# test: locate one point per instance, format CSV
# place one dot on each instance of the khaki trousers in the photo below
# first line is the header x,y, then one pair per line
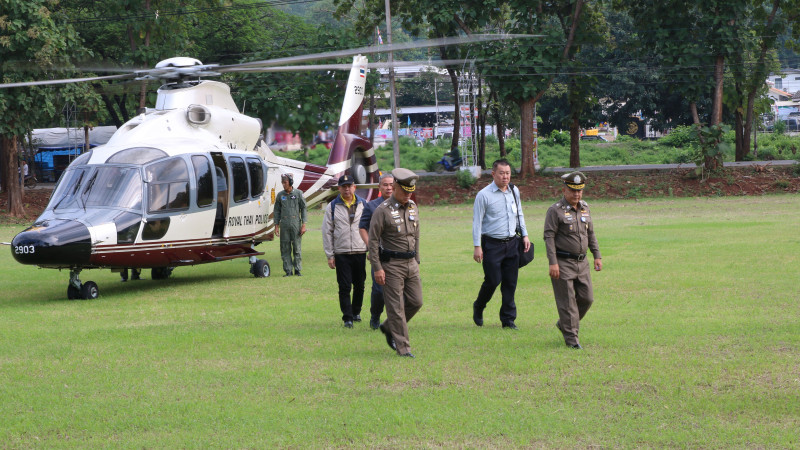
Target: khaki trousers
x,y
574,296
402,294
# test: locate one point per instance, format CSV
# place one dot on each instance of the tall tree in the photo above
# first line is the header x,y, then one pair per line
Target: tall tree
x,y
523,71
137,33
35,44
693,41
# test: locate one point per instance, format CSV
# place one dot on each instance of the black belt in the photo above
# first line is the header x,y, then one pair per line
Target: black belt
x,y
578,256
399,255
487,237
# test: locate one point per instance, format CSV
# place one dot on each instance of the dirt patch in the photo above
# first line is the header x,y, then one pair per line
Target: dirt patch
x,y
34,201
633,184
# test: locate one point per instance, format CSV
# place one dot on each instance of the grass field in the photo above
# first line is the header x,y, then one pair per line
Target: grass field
x,y
693,341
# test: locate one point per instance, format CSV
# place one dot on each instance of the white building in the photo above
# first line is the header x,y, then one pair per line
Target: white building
x,y
787,80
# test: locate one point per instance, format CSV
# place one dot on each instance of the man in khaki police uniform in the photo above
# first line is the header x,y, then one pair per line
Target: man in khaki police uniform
x,y
568,232
394,254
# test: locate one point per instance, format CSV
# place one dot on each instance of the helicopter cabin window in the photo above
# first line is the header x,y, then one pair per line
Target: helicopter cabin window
x,y
256,176
205,182
137,155
239,179
116,187
168,185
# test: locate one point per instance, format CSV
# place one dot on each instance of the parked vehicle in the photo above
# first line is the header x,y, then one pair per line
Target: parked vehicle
x,y
31,181
595,137
448,163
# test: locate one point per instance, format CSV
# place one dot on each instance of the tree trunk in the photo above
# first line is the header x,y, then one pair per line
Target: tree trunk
x,y
10,159
526,133
738,129
501,132
574,142
719,72
748,125
111,111
695,115
456,112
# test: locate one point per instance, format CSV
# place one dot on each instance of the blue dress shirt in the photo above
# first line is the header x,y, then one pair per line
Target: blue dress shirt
x,y
495,214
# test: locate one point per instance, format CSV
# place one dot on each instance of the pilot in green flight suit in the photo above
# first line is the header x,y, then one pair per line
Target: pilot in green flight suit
x,y
290,224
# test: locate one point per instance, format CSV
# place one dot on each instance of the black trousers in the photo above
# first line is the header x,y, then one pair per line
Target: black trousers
x,y
500,265
376,298
351,272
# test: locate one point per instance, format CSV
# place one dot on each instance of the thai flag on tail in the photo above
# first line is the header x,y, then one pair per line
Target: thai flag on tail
x,y
361,72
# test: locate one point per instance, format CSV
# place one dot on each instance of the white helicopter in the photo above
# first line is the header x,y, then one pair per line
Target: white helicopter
x,y
186,183
190,181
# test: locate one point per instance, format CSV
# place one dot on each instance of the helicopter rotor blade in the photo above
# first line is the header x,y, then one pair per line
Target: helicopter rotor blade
x,y
375,65
271,65
64,81
370,50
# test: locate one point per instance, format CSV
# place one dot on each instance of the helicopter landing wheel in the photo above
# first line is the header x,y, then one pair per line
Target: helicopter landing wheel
x,y
73,292
260,269
89,290
160,273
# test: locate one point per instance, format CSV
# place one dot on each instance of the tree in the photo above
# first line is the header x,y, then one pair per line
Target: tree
x,y
138,34
693,41
34,43
523,71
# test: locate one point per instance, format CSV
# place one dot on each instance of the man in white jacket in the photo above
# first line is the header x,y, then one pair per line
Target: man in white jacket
x,y
346,251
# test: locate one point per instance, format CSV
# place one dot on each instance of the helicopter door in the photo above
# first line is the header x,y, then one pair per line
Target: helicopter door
x,y
242,210
220,175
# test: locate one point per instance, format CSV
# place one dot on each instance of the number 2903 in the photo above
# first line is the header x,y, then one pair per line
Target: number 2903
x,y
24,249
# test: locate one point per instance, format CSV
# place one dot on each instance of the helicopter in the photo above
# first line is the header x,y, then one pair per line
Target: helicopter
x,y
188,182
191,181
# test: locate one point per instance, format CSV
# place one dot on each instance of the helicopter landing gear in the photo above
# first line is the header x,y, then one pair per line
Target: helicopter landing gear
x,y
78,290
160,273
259,268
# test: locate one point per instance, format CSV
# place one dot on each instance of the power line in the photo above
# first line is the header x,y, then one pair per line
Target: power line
x,y
155,14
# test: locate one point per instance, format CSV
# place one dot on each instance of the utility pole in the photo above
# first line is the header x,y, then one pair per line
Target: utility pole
x,y
395,128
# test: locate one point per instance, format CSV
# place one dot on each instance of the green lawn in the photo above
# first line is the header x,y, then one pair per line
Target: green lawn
x,y
693,341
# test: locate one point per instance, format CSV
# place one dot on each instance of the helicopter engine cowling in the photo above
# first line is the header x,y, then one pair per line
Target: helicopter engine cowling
x,y
53,243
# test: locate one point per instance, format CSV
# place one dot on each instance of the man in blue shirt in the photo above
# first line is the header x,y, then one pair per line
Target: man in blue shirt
x,y
495,218
386,186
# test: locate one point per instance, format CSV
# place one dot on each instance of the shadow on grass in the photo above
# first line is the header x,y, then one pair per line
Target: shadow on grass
x,y
117,289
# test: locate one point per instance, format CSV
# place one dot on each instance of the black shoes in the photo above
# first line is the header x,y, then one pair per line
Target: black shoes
x,y
374,322
575,346
348,324
388,335
288,274
407,355
297,272
510,325
477,315
357,318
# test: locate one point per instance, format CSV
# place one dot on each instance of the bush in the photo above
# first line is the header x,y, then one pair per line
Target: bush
x,y
680,137
780,127
464,179
624,138
559,137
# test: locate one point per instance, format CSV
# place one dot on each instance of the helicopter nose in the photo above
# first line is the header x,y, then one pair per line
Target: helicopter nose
x,y
53,243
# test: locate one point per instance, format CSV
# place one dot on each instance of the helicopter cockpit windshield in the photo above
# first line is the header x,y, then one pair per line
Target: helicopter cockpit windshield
x,y
102,186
